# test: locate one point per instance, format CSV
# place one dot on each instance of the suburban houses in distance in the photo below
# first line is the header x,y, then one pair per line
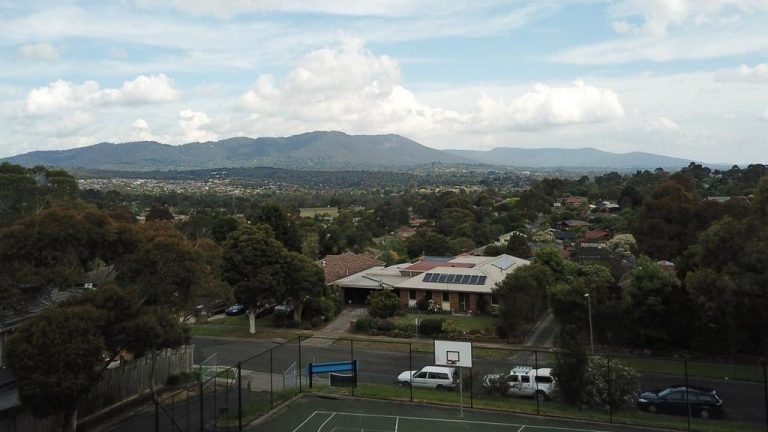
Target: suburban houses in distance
x,y
461,284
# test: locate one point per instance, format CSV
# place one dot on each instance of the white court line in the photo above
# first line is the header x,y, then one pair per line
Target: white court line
x,y
397,422
326,421
463,421
302,423
521,428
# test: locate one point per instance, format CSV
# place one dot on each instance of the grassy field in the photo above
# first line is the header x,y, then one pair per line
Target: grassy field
x,y
237,326
463,322
696,369
311,212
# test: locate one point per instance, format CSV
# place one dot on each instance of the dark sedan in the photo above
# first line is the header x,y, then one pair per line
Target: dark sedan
x,y
237,309
703,402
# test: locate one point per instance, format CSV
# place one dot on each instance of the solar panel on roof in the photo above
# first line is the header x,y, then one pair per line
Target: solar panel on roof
x,y
465,279
473,280
427,277
503,262
442,278
481,281
449,279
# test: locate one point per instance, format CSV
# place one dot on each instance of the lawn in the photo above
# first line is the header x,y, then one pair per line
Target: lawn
x,y
237,326
311,212
463,322
696,369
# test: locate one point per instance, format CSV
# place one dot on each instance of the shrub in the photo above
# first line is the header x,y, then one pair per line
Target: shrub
x,y
382,304
448,328
430,326
363,325
383,325
624,386
422,304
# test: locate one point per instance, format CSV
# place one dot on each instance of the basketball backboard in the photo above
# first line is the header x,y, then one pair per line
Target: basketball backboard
x,y
452,353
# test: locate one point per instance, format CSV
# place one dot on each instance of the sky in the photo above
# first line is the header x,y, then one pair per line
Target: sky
x,y
686,78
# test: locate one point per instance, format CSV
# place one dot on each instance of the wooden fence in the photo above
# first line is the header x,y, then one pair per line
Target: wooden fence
x,y
128,380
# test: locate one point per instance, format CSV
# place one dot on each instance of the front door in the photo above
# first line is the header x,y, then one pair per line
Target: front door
x,y
463,302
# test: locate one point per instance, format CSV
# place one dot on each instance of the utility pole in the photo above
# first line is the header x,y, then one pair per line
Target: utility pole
x,y
591,335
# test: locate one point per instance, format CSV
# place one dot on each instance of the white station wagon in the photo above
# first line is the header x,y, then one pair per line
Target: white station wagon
x,y
435,377
523,381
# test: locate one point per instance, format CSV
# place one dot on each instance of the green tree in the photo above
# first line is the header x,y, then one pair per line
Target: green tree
x,y
658,313
304,280
382,304
159,213
517,246
57,357
522,297
571,364
254,264
283,227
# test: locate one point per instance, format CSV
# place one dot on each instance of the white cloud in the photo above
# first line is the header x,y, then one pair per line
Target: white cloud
x,y
60,95
744,73
663,124
40,51
687,47
69,123
658,16
349,88
545,106
196,126
764,115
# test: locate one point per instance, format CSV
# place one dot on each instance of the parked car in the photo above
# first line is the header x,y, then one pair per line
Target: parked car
x,y
435,377
265,309
285,309
236,309
704,402
522,381
209,308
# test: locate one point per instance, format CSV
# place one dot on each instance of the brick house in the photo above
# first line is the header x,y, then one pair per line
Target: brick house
x,y
458,284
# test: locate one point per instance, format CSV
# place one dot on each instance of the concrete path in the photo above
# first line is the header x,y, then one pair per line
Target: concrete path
x,y
339,327
543,334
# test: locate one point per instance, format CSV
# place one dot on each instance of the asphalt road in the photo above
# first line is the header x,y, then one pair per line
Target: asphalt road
x,y
744,401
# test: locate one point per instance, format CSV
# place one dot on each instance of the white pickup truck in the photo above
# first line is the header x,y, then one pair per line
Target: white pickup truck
x,y
522,381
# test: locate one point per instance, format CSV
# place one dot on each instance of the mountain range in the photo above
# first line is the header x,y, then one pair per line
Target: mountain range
x,y
327,151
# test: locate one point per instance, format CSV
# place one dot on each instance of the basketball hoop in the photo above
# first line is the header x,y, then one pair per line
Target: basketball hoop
x,y
452,357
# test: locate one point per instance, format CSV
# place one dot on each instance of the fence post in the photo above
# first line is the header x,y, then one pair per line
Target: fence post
x,y
471,389
201,400
610,392
535,378
300,368
239,396
687,402
765,389
271,384
352,359
410,368
157,414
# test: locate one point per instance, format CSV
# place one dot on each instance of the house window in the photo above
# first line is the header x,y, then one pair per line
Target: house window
x,y
494,299
446,296
428,295
412,294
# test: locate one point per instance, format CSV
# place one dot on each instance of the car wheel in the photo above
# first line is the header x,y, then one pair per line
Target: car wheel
x,y
704,414
405,383
442,387
652,409
540,396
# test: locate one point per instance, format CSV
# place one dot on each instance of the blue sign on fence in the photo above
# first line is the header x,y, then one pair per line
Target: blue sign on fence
x,y
315,368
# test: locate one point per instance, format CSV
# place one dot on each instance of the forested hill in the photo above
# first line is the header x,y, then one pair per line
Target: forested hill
x,y
331,151
582,158
309,151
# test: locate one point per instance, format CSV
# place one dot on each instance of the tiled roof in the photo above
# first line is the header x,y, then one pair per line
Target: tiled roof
x,y
340,266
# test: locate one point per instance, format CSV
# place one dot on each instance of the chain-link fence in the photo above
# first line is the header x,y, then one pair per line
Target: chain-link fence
x,y
672,393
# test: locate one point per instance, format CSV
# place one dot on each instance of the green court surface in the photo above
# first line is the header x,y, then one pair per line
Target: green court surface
x,y
315,414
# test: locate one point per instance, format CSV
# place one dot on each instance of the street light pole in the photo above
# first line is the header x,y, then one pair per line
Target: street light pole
x,y
591,337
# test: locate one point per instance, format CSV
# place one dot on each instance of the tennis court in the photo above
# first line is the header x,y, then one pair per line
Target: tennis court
x,y
315,414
